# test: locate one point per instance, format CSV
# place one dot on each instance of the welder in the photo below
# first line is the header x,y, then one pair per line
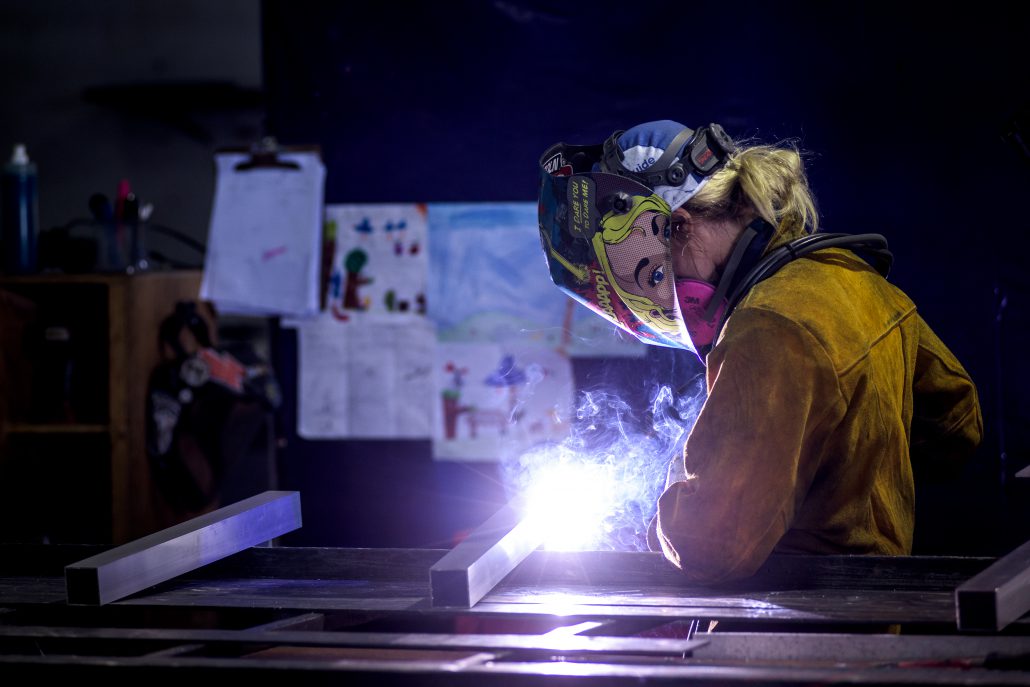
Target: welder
x,y
824,383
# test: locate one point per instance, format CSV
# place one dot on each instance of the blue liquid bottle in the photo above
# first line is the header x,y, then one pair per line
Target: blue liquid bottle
x,y
19,214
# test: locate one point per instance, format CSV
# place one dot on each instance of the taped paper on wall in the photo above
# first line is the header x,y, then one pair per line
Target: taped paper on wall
x,y
264,242
379,262
367,377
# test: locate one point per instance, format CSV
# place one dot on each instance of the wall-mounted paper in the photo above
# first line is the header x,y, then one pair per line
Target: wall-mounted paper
x,y
368,377
380,261
489,282
498,400
264,241
504,379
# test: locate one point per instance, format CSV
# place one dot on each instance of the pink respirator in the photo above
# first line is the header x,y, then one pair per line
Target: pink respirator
x,y
694,298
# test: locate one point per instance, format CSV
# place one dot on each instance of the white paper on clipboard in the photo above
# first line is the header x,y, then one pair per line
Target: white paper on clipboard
x,y
265,237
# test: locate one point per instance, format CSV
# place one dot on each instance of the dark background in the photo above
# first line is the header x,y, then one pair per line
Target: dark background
x,y
909,117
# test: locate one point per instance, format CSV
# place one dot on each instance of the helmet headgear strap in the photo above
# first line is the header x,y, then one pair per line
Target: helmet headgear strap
x,y
710,150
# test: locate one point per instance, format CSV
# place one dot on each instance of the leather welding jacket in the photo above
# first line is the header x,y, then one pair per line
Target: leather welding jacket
x,y
823,382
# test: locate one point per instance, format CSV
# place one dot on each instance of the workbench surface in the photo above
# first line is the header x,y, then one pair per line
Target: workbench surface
x,y
365,615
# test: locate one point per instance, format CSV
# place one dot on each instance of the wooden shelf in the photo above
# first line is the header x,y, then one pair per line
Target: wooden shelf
x,y
64,279
55,428
113,321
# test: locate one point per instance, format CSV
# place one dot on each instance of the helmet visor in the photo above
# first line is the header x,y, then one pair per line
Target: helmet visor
x,y
606,240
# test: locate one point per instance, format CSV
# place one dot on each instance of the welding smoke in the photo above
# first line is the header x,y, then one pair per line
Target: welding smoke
x,y
604,480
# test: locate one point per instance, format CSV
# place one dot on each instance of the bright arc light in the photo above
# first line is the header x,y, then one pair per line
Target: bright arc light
x,y
569,502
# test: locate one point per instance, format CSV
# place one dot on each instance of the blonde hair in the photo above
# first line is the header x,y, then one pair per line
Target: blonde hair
x,y
765,180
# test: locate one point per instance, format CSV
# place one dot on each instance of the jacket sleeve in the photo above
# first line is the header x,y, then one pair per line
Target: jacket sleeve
x,y
750,458
947,425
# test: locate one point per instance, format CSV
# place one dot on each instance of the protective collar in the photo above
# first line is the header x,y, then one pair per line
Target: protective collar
x,y
749,264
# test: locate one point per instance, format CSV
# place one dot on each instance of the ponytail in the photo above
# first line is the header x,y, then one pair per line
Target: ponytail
x,y
765,180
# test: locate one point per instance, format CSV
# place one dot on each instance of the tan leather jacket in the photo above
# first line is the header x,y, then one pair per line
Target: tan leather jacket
x,y
823,381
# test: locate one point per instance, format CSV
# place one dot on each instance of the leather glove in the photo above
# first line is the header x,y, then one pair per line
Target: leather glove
x,y
677,470
652,535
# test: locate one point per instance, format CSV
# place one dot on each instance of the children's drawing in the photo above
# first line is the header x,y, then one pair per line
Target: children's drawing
x,y
497,400
368,377
379,265
353,264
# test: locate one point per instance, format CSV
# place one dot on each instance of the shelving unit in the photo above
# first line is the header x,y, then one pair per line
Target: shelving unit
x,y
73,461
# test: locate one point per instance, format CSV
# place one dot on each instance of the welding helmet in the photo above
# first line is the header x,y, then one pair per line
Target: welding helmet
x,y
605,221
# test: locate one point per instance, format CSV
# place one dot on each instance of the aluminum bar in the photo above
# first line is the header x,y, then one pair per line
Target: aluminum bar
x,y
478,563
546,643
998,595
160,556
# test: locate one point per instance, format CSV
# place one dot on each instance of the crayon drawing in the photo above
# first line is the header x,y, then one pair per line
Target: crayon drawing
x,y
503,381
379,259
494,400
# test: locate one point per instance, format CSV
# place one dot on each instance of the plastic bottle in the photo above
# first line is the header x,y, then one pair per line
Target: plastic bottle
x,y
19,214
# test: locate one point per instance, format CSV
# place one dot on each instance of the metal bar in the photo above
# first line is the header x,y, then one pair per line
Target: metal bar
x,y
925,573
545,643
879,648
180,650
477,564
315,563
158,557
469,671
998,595
780,572
578,628
306,621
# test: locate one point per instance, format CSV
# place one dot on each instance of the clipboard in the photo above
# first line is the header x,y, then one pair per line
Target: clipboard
x,y
265,155
265,235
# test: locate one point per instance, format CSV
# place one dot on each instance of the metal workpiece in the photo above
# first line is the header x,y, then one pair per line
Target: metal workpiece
x,y
495,660
855,648
364,616
996,597
182,548
546,644
478,563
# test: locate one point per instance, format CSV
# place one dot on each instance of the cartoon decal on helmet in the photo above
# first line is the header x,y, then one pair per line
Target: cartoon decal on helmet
x,y
633,249
606,240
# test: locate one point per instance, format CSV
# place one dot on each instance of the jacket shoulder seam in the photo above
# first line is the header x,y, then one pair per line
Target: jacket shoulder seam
x,y
808,332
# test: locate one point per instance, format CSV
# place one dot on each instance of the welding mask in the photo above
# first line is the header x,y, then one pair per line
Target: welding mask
x,y
604,217
605,222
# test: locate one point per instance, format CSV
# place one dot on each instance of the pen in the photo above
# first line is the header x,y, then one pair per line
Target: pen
x,y
124,189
